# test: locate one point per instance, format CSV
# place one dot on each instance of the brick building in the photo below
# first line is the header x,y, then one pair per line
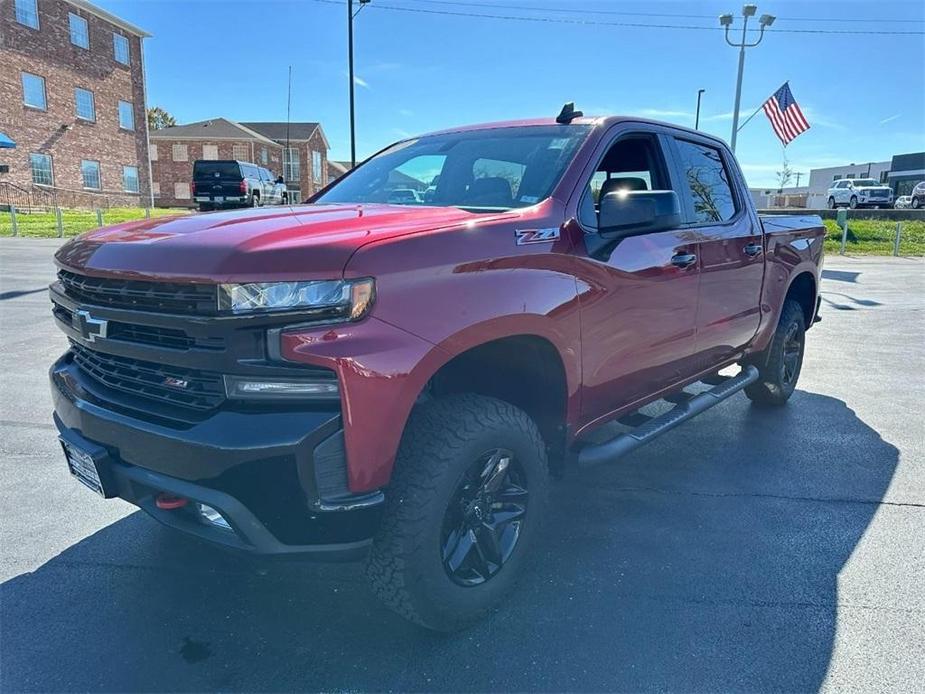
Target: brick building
x,y
72,98
173,151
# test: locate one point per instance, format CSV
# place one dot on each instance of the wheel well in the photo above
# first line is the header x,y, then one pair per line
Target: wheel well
x,y
803,291
524,370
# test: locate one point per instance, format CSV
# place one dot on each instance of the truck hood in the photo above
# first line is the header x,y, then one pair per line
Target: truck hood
x,y
280,243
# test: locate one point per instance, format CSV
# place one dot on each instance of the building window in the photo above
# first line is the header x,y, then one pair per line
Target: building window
x,y
33,91
210,152
264,156
851,176
120,49
152,152
884,176
90,172
181,191
80,34
836,177
180,153
126,115
41,169
295,196
316,168
27,13
84,105
156,189
239,152
130,179
291,164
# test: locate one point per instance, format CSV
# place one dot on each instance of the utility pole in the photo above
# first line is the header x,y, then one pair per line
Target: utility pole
x,y
350,17
697,117
798,174
725,21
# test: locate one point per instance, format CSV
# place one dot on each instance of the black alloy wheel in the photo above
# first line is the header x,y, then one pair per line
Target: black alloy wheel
x,y
792,356
484,519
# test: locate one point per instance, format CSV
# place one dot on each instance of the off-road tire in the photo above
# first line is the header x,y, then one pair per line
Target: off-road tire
x,y
442,439
772,387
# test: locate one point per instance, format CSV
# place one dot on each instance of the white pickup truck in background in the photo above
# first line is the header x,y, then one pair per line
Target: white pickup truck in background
x,y
859,192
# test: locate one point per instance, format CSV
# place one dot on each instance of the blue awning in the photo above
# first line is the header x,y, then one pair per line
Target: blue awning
x,y
6,142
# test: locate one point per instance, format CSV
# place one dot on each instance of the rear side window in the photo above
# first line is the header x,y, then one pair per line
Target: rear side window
x,y
706,182
216,169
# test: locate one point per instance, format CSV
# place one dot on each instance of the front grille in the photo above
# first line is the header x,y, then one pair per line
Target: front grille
x,y
159,297
194,389
156,336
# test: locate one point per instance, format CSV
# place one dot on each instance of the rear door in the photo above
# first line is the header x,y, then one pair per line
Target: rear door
x,y
638,299
731,248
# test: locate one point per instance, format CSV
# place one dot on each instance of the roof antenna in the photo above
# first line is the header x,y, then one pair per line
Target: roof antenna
x,y
568,113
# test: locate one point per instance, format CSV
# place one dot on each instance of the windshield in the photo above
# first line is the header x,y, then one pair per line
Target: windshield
x,y
478,170
865,182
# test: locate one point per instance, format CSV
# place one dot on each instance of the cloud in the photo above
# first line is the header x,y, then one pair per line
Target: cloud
x,y
398,132
890,119
360,82
405,112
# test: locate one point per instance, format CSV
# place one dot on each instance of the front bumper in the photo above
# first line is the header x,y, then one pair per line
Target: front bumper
x,y
278,477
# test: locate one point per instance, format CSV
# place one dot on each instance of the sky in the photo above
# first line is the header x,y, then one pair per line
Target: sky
x,y
418,71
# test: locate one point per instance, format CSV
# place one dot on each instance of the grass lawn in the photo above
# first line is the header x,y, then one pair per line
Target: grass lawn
x,y
875,237
43,225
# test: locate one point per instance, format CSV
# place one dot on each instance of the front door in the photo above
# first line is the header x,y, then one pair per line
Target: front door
x,y
731,250
638,299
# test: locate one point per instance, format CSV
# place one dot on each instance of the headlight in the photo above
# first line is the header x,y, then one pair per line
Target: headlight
x,y
327,300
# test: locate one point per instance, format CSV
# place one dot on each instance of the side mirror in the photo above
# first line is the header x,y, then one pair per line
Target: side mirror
x,y
636,212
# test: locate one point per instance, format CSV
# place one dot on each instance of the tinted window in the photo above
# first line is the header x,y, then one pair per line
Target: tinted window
x,y
216,169
707,182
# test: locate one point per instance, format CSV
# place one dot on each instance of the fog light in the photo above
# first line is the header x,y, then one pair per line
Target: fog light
x,y
210,516
272,388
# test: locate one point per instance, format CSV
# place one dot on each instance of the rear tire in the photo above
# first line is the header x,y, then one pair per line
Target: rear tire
x,y
454,536
203,207
255,201
780,364
916,204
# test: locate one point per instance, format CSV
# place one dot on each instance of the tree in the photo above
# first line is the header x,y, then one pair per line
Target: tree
x,y
159,118
784,176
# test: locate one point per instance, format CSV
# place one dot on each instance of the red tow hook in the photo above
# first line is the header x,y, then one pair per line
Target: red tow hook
x,y
169,502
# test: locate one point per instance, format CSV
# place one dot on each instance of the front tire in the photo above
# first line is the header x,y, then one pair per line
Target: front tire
x,y
916,204
853,203
467,494
780,364
832,204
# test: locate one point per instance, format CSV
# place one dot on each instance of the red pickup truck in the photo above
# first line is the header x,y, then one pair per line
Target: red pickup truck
x,y
352,378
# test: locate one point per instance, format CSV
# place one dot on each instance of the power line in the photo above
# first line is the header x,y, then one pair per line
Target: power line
x,y
574,10
641,25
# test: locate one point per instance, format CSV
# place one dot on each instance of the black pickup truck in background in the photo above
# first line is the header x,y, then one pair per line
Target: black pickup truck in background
x,y
228,183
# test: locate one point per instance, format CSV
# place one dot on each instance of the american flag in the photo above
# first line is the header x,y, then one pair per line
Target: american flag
x,y
785,115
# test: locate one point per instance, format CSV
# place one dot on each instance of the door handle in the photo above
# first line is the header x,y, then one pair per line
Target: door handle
x,y
753,249
683,259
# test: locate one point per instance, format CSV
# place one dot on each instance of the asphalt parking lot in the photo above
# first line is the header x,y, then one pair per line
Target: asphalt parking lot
x,y
747,550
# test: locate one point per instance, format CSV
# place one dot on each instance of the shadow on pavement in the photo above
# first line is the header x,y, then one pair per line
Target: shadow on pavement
x,y
706,561
840,275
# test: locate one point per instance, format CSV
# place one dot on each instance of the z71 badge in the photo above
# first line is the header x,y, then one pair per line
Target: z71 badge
x,y
526,236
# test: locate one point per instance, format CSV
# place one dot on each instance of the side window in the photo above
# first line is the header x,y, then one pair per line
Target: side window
x,y
707,182
634,162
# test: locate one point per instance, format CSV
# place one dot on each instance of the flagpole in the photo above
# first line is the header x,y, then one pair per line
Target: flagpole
x,y
756,111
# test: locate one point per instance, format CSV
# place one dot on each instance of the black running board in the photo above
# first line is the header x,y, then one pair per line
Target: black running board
x,y
656,426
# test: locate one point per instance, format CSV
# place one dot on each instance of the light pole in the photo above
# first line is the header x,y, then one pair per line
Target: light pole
x,y
351,15
725,21
697,117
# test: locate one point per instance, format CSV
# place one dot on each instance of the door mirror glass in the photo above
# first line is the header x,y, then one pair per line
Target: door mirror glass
x,y
631,213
